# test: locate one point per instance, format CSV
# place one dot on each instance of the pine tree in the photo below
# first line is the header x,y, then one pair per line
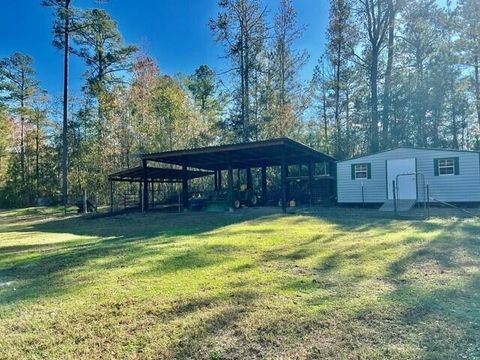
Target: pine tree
x,y
374,17
99,43
341,40
18,83
63,27
241,28
287,62
469,28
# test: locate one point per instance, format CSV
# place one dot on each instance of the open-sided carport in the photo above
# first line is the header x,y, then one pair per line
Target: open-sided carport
x,y
281,152
151,175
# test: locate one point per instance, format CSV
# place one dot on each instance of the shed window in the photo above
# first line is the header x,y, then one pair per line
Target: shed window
x,y
361,171
446,166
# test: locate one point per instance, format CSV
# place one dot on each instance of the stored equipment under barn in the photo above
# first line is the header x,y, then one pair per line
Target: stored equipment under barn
x,y
309,171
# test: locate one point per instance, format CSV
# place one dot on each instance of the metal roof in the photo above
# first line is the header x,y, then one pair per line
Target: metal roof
x,y
409,148
155,174
242,155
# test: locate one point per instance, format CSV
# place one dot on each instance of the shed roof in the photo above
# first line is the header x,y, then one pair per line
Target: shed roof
x,y
242,155
409,148
155,174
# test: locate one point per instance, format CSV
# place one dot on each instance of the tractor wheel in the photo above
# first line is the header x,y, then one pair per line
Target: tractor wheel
x,y
253,200
236,204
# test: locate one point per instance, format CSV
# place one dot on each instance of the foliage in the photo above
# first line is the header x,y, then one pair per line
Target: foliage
x,y
394,72
99,44
241,28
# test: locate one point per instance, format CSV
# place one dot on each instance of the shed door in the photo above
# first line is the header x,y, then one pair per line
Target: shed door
x,y
406,184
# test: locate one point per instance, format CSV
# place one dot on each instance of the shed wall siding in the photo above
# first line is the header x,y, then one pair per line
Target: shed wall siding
x,y
459,188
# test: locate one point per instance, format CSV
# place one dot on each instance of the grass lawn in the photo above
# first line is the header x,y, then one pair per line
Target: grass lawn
x,y
340,283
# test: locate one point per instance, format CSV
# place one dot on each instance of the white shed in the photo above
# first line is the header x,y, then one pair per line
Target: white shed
x,y
451,176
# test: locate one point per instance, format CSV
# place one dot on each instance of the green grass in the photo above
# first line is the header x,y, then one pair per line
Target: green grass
x,y
340,283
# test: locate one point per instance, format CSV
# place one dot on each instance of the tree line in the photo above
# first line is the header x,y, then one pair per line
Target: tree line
x,y
393,73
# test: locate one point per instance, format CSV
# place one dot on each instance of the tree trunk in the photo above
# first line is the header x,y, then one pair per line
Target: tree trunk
x,y
436,122
454,128
420,101
22,129
337,99
22,148
242,90
477,88
325,119
246,123
65,109
37,168
244,72
388,76
282,74
348,130
374,101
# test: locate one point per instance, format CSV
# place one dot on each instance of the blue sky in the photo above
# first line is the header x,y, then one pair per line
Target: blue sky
x,y
174,32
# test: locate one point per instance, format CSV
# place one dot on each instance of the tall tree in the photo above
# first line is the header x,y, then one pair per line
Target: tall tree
x,y
61,30
202,85
319,85
469,26
421,39
287,62
17,81
392,9
142,97
375,16
241,28
6,130
100,45
38,120
340,42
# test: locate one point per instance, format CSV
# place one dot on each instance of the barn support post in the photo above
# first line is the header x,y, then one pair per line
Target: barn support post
x,y
111,196
215,180
219,179
230,180
153,194
85,204
283,180
249,179
184,186
145,186
238,179
264,185
310,182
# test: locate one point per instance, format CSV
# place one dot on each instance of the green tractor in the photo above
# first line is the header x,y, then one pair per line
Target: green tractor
x,y
244,196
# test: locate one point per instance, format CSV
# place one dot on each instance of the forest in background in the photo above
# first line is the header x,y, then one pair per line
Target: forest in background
x,y
393,73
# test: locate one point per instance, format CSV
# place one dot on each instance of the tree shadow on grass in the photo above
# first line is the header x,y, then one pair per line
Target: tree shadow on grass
x,y
202,341
436,291
427,298
116,242
126,239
